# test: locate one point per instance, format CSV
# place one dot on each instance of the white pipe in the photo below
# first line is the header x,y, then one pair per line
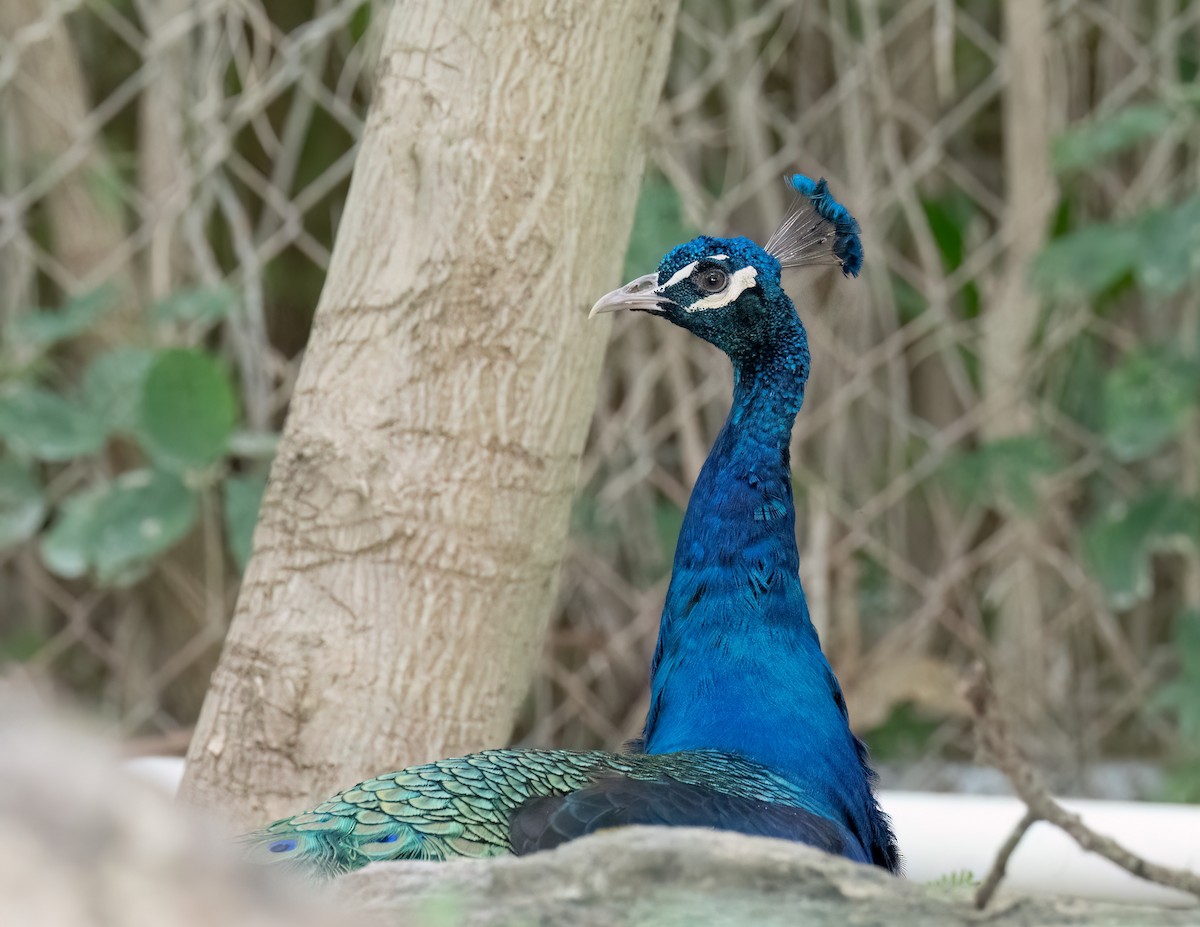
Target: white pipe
x,y
942,834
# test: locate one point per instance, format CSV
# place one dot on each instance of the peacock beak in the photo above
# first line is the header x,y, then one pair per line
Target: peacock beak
x,y
640,294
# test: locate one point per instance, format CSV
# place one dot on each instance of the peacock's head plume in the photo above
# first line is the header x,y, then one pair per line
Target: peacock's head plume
x,y
728,291
817,230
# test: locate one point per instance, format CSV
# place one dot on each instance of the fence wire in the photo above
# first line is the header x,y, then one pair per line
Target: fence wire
x,y
150,144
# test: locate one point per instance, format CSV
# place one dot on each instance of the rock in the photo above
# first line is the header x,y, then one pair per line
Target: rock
x,y
668,877
84,844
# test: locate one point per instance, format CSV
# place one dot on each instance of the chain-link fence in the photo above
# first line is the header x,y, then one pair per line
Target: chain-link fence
x,y
1000,452
184,155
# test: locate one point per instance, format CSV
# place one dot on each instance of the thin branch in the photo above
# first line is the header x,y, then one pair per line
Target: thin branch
x,y
994,877
997,745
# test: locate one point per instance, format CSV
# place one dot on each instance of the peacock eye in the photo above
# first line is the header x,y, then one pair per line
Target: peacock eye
x,y
712,280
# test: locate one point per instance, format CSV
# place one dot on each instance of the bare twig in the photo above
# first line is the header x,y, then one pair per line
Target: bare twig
x,y
997,745
994,877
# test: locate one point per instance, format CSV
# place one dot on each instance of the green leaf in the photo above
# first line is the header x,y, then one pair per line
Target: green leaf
x,y
243,497
1120,543
142,514
1168,256
204,305
1187,643
117,529
1147,400
188,410
658,226
66,547
20,642
22,503
43,328
668,522
951,218
360,22
1086,262
1089,144
910,302
1181,782
1161,249
1003,470
1082,371
112,385
37,423
906,734
1182,694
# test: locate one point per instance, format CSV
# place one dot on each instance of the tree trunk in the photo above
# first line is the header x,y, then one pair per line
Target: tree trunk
x,y
406,558
1022,664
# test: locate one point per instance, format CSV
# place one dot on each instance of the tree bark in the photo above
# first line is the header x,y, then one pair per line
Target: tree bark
x,y
1024,668
406,558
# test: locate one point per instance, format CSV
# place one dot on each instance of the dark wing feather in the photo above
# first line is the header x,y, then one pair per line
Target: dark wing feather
x,y
616,801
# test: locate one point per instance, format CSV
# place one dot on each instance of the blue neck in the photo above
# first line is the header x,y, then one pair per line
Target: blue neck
x,y
738,666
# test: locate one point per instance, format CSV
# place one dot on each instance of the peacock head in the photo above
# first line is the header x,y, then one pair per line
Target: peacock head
x,y
728,291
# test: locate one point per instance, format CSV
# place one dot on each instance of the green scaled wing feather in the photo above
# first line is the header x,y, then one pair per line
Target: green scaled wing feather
x,y
452,808
463,807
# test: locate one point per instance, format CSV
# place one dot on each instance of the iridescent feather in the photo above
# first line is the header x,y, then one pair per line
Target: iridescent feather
x,y
470,807
816,230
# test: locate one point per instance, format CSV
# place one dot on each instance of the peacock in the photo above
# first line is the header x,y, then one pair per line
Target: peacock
x,y
747,728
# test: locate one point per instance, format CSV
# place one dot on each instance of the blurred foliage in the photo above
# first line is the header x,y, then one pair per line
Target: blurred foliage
x,y
1119,542
658,226
1140,403
1090,143
1148,396
1181,699
1147,400
904,736
170,414
1183,695
1159,250
128,465
1004,470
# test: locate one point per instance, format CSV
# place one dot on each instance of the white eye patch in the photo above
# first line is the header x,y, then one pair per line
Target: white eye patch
x,y
682,274
686,271
739,282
